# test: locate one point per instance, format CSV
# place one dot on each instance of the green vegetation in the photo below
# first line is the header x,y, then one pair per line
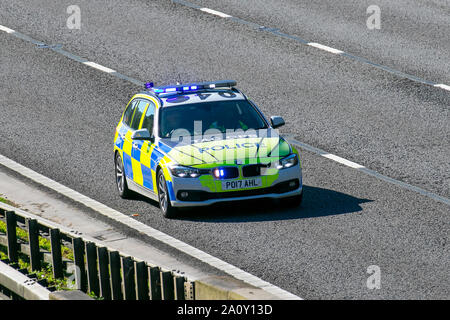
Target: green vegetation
x,y
94,296
46,271
44,243
7,201
24,260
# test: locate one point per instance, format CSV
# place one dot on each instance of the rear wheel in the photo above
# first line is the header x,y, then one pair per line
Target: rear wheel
x,y
121,181
163,195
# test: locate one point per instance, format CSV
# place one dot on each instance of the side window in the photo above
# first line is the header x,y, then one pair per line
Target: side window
x,y
138,114
129,112
149,118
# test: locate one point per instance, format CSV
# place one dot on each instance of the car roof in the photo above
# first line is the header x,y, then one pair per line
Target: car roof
x,y
199,97
212,95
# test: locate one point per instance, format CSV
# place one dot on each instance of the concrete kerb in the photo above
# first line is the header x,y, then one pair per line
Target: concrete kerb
x,y
21,285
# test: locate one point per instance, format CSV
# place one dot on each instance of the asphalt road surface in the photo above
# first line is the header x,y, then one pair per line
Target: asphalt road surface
x,y
58,118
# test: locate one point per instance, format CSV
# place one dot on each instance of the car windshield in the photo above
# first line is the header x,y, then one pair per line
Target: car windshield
x,y
197,118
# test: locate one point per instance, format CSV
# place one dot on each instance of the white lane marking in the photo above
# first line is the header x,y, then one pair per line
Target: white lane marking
x,y
214,12
99,67
5,29
147,230
442,86
346,162
326,48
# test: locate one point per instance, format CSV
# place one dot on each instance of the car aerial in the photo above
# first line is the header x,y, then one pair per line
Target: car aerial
x,y
197,144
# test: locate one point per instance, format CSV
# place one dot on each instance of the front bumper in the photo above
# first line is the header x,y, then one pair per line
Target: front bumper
x,y
287,184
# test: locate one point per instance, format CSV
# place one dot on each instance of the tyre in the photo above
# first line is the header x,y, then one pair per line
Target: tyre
x,y
163,196
121,180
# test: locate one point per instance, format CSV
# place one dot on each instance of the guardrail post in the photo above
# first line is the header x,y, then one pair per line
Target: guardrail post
x,y
11,224
91,258
155,283
80,270
116,281
55,242
142,281
129,288
33,240
167,285
178,282
103,266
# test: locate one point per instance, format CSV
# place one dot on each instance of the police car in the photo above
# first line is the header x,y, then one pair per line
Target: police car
x,y
197,144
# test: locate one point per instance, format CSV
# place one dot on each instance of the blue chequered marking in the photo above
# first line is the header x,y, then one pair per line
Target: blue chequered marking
x,y
154,159
170,189
164,148
147,177
119,141
136,153
153,164
127,166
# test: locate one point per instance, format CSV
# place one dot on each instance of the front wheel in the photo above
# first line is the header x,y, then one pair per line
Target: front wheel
x,y
163,195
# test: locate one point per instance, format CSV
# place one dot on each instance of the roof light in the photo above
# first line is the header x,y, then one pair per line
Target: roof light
x,y
191,86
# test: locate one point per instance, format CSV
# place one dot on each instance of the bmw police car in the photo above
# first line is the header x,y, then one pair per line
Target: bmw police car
x,y
197,144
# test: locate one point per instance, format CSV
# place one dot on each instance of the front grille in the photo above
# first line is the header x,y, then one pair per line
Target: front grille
x,y
282,187
252,170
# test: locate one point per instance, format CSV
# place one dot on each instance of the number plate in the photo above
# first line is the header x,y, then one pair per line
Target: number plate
x,y
241,184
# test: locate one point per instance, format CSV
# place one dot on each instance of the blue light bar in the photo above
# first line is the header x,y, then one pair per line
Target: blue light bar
x,y
191,86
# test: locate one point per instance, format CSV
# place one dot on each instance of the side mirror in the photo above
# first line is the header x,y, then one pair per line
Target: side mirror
x,y
277,121
142,134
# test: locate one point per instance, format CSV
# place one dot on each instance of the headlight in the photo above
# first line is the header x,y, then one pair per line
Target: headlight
x,y
288,162
187,172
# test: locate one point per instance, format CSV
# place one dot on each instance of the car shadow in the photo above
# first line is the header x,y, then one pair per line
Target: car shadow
x,y
317,202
